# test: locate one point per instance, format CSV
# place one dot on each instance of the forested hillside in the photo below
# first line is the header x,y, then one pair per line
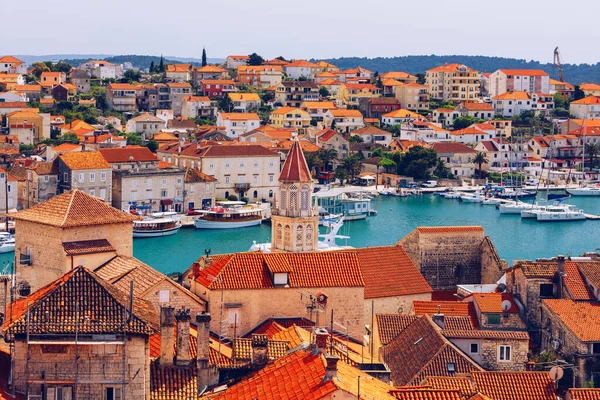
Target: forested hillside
x,y
574,73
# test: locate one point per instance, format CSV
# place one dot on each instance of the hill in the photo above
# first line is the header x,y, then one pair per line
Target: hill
x,y
574,73
138,61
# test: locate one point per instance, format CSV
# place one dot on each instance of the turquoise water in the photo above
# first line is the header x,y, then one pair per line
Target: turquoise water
x,y
513,237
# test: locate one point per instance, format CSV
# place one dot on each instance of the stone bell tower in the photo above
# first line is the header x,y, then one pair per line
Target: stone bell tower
x,y
295,222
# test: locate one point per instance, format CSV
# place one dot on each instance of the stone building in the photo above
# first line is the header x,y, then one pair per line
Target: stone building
x,y
66,231
295,221
450,256
87,171
498,311
199,189
103,351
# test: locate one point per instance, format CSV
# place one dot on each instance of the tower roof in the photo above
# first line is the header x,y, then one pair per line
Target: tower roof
x,y
295,167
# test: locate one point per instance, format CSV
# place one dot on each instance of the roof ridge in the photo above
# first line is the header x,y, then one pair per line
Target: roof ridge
x,y
66,217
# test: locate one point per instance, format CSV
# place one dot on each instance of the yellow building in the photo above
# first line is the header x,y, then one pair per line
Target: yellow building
x,y
10,81
453,82
351,93
41,127
289,117
590,89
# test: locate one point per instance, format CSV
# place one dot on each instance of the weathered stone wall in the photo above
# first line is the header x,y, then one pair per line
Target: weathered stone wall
x,y
257,305
392,305
508,321
410,243
490,355
99,368
178,298
492,266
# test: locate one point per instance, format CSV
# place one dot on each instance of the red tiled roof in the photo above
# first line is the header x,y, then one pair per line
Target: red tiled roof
x,y
295,168
390,325
449,309
13,104
326,134
84,160
492,302
584,394
449,229
380,263
478,106
87,247
237,151
451,148
463,383
420,393
525,72
582,318
515,385
485,334
128,154
253,270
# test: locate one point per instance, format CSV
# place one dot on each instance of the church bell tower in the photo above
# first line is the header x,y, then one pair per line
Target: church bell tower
x,y
295,222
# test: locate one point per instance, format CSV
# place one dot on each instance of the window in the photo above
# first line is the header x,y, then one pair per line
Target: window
x,y
595,348
92,192
280,278
191,188
81,177
59,393
504,353
103,176
546,290
271,177
233,315
45,178
179,181
493,319
474,348
103,194
163,193
226,178
92,177
164,182
113,393
164,296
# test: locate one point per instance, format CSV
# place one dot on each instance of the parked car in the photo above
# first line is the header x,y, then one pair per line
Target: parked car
x,y
429,184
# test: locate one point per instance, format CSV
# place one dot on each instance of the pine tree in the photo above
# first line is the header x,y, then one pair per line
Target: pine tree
x,y
161,65
204,57
152,66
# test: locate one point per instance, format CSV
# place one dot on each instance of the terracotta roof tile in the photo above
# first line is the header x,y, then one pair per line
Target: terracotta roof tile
x,y
451,148
84,160
295,168
515,385
449,309
390,325
584,394
419,393
74,208
87,247
253,270
525,72
127,154
242,349
492,302
485,334
192,175
80,298
463,383
582,318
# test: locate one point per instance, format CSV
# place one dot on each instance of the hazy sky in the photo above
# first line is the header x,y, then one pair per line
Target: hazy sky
x,y
527,29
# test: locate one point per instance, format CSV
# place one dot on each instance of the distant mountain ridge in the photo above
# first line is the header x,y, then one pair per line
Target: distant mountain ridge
x,y
574,73
138,61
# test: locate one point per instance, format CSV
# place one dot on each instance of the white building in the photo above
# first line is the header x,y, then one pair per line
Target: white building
x,y
399,117
510,104
588,107
237,124
519,80
12,65
345,120
234,62
196,106
100,69
301,69
12,191
146,124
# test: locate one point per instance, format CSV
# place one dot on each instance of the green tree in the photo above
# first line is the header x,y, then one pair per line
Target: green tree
x,y
313,161
327,157
560,101
480,159
38,67
152,145
355,139
255,59
25,148
161,64
351,163
204,62
591,151
225,104
281,58
341,174
132,75
152,67
333,124
324,92
61,66
387,164
133,139
463,122
421,78
69,138
578,94
378,152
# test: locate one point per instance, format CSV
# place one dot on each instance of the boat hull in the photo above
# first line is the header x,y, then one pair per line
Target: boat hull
x,y
148,234
354,217
584,192
7,249
560,217
204,224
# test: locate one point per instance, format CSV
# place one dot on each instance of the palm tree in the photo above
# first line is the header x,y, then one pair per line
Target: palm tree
x,y
313,161
480,159
352,165
592,150
328,156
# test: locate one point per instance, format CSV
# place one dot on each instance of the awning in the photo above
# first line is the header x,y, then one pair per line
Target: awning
x,y
166,202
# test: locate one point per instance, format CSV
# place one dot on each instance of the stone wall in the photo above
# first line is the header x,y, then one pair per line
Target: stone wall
x,y
527,291
392,305
488,355
57,362
453,257
178,298
254,306
508,321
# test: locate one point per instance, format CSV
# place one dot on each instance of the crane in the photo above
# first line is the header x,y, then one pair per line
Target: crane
x,y
558,65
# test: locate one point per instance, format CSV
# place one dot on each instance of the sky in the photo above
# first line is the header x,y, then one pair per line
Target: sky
x,y
528,29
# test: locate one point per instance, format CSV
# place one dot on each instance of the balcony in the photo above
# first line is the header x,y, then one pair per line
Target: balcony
x,y
241,187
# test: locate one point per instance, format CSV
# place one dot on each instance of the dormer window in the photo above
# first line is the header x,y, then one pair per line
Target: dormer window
x,y
280,278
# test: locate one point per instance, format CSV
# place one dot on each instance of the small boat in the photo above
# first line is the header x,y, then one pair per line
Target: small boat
x,y
518,194
451,195
560,214
532,212
155,227
585,191
491,201
325,216
229,215
513,207
7,242
471,197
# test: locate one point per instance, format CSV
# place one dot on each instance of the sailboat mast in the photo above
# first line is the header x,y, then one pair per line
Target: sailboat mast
x,y
583,148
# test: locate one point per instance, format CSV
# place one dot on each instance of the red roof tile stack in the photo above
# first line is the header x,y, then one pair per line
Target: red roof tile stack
x,y
515,385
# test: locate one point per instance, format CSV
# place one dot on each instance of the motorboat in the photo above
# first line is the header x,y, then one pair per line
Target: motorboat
x,y
229,215
516,194
451,194
7,242
585,191
155,227
558,214
491,201
513,207
471,197
325,216
352,203
534,209
327,243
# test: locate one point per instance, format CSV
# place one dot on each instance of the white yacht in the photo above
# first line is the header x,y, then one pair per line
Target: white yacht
x,y
585,191
7,242
513,207
560,214
471,197
155,227
229,215
491,201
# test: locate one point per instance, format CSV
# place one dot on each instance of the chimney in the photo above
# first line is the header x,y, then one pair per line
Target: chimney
x,y
560,265
167,320
331,366
321,335
182,351
260,351
202,352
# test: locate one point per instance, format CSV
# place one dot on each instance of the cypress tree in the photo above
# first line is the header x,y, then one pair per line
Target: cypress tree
x,y
204,62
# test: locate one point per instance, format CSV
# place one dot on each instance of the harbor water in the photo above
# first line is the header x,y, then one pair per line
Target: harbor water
x,y
514,238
